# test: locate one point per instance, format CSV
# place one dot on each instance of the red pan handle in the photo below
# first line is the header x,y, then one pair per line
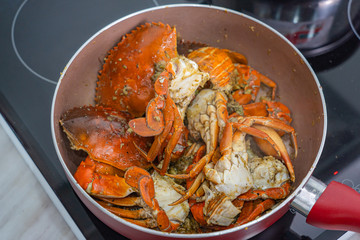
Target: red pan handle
x,y
338,208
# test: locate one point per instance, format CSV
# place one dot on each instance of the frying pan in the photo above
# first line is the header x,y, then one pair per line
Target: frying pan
x,y
268,52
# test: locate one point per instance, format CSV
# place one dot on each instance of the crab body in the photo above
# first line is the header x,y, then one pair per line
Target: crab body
x,y
124,82
230,174
218,63
105,135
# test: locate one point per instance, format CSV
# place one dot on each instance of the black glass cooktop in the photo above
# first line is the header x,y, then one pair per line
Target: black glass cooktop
x,y
38,37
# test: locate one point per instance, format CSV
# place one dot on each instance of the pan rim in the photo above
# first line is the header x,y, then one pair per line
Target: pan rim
x,y
179,235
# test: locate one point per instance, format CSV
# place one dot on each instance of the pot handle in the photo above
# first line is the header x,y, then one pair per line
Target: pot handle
x,y
337,208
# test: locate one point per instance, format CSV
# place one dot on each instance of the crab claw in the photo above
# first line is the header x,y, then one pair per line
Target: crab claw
x,y
263,128
140,127
140,179
162,118
92,178
269,150
154,119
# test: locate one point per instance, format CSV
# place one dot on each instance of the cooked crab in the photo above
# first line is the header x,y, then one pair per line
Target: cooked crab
x,y
175,87
113,190
271,179
148,99
125,80
219,63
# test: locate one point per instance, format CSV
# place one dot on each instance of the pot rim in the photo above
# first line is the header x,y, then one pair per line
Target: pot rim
x,y
283,204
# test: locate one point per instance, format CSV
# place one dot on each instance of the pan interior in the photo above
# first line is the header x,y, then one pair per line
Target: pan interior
x,y
265,50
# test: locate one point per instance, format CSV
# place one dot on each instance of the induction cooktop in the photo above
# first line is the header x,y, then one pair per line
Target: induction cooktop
x,y
40,36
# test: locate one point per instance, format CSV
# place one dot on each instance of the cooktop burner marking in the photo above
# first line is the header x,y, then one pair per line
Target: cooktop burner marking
x,y
350,20
16,51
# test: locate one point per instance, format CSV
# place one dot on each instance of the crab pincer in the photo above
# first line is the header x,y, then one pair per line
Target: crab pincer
x,y
141,179
249,80
153,123
162,118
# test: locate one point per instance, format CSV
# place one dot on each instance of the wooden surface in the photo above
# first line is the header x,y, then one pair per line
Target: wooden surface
x,y
26,211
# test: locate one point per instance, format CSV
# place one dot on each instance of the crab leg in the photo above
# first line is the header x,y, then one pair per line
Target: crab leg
x,y
178,129
211,121
161,113
255,109
126,213
272,193
196,169
198,150
238,203
201,151
148,223
139,125
279,111
123,202
251,79
257,210
272,109
159,139
225,151
139,178
272,123
173,123
154,114
196,184
154,123
265,134
192,184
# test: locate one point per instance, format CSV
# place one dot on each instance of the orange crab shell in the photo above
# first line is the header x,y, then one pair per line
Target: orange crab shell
x,y
105,135
124,82
219,63
216,62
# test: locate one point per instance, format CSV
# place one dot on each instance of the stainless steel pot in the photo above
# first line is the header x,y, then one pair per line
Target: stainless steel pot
x,y
266,50
314,26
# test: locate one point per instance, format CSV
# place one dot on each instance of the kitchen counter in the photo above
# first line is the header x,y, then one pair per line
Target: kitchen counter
x,y
27,212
